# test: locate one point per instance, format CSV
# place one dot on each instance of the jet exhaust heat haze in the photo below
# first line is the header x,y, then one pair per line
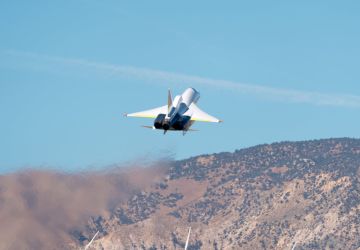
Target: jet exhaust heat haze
x,y
179,114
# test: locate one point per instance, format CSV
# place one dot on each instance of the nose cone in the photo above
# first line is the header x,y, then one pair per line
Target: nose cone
x,y
190,95
194,91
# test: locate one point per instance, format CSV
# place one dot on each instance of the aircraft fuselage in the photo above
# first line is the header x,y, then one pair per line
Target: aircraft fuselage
x,y
176,118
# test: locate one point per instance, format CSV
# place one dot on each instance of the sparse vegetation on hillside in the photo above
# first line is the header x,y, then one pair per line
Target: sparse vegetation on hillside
x,y
263,197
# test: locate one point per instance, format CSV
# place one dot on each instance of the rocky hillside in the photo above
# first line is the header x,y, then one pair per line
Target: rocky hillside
x,y
264,197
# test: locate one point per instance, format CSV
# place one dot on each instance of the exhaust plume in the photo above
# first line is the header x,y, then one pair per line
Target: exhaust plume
x,y
39,208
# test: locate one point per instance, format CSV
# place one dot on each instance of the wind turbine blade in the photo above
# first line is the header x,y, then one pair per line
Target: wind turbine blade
x,y
87,246
187,239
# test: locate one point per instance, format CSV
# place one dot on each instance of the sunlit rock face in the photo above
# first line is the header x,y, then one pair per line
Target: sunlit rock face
x,y
264,197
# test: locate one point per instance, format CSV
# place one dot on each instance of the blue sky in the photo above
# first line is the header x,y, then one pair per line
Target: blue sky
x,y
272,70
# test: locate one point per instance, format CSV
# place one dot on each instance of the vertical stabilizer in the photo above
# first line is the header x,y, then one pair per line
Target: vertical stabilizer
x,y
170,101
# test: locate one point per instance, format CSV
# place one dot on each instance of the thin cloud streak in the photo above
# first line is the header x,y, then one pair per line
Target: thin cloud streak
x,y
264,92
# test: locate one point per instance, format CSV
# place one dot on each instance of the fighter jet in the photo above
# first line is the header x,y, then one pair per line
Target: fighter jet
x,y
179,113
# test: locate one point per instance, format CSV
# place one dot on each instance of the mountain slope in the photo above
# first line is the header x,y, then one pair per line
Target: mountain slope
x,y
263,197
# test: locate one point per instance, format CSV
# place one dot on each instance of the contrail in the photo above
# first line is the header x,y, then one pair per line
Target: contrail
x,y
264,92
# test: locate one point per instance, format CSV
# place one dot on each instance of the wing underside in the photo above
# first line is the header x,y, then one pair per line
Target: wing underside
x,y
194,112
151,113
198,115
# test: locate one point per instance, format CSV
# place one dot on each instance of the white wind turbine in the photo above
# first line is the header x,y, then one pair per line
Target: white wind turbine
x,y
187,239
